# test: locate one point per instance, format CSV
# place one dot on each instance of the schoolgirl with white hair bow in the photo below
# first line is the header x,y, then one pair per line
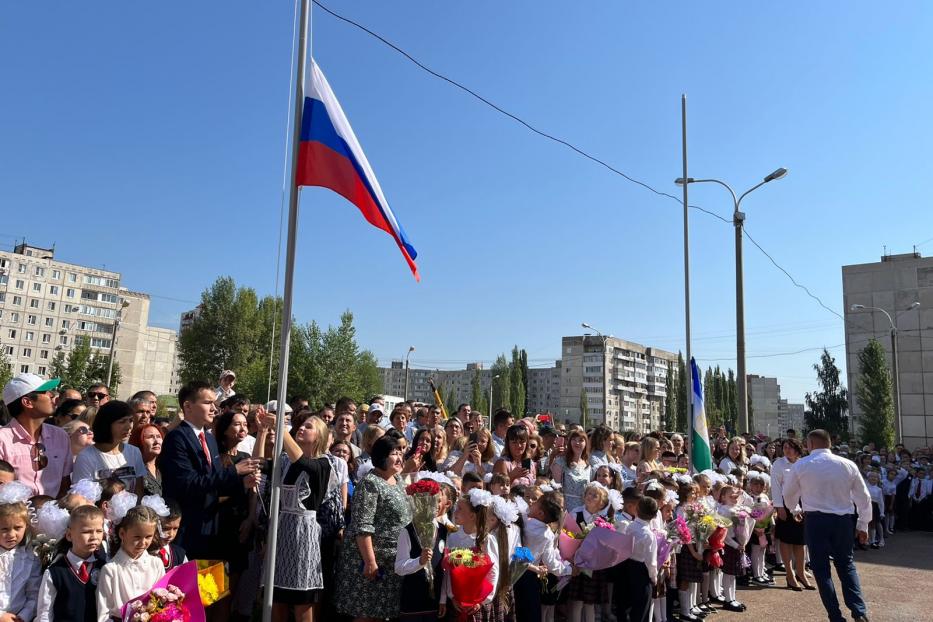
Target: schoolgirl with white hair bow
x,y
471,515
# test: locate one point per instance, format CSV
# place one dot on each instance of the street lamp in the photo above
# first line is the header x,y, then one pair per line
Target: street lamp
x,y
410,350
605,369
491,383
738,219
113,341
894,371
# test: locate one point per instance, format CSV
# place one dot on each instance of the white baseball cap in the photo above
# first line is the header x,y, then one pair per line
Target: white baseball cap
x,y
273,407
24,384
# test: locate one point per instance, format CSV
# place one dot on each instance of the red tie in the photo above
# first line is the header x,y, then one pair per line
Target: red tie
x,y
207,453
163,555
84,573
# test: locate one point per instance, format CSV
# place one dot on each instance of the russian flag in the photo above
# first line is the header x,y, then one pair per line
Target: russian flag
x,y
330,156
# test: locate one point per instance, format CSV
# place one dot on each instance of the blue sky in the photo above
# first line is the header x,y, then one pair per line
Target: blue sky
x,y
149,138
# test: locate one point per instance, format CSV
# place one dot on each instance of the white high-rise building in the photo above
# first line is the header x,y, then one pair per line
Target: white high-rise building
x,y
45,304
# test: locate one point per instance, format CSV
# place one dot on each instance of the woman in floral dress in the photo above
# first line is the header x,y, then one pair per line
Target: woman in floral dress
x,y
367,586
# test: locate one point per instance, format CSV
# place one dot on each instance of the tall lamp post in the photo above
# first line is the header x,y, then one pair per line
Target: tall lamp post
x,y
491,384
605,371
898,421
113,341
407,356
738,220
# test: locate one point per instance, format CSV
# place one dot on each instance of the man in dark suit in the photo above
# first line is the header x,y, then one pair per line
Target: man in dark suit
x,y
193,474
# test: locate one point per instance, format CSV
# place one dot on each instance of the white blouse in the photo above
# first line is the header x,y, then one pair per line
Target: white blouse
x,y
542,542
20,573
123,579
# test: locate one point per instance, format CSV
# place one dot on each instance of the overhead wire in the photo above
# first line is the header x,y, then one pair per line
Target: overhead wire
x,y
560,141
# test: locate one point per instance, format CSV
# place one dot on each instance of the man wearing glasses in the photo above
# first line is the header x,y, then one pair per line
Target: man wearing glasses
x,y
40,454
97,395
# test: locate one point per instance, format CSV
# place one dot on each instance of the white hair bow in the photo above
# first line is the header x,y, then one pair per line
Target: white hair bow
x,y
120,504
51,520
505,510
156,504
480,497
15,492
87,488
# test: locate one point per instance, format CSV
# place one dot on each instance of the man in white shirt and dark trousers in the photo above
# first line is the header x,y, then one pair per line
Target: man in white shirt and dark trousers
x,y
828,487
637,575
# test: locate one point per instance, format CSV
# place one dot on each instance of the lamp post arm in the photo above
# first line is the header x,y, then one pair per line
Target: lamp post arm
x,y
735,201
747,192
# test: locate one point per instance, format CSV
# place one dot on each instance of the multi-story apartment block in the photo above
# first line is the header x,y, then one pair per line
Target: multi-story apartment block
x,y
45,304
543,390
894,286
623,383
765,395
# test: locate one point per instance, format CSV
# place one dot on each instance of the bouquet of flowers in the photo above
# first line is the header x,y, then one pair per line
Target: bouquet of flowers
x,y
678,532
715,544
173,598
165,604
761,512
602,546
422,497
519,563
702,521
468,570
571,537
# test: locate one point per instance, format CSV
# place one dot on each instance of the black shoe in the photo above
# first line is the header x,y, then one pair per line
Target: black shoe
x,y
778,568
860,619
689,618
874,546
719,600
696,611
734,606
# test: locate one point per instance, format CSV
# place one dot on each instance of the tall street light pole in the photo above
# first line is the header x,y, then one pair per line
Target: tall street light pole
x,y
410,350
113,341
898,421
738,220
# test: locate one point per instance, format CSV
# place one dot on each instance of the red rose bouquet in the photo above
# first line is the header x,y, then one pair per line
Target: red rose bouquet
x,y
422,497
468,570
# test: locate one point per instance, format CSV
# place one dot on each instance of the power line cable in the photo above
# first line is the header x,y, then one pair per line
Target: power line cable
x,y
560,141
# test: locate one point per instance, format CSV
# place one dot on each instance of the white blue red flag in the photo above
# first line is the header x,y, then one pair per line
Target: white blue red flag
x,y
330,156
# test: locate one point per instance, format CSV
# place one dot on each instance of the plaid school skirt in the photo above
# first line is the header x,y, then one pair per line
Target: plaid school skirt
x,y
733,561
689,570
591,590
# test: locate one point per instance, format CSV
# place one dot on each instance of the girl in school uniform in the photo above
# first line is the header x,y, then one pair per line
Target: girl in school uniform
x,y
418,602
584,592
531,605
471,516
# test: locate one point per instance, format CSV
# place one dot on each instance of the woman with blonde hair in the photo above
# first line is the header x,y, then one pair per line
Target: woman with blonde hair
x,y
650,451
735,456
572,470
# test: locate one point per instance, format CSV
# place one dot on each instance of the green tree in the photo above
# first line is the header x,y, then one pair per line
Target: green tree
x,y
682,384
875,396
827,408
517,385
670,400
732,409
83,366
477,395
500,385
6,369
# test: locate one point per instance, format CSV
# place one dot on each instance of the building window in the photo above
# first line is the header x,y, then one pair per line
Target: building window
x,y
4,279
27,352
50,305
30,336
32,320
40,271
66,324
34,303
42,370
24,369
70,292
97,342
46,338
2,296
50,322
20,284
43,354
72,277
53,290
17,300
37,287
9,350
12,333
21,268
56,274
14,317
63,340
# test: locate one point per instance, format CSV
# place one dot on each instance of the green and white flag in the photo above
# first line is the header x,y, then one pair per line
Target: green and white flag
x,y
701,458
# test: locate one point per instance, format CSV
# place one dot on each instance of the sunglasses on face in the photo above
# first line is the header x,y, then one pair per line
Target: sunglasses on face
x,y
39,458
98,395
83,431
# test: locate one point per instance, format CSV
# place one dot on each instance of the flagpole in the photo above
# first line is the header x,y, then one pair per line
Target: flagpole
x,y
285,337
688,364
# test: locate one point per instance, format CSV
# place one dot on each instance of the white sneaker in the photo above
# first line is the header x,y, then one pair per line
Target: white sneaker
x,y
881,544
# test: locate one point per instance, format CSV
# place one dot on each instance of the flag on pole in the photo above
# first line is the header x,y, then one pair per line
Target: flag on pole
x,y
330,156
701,458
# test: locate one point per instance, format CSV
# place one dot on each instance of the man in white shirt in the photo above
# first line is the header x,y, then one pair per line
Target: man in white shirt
x,y
828,487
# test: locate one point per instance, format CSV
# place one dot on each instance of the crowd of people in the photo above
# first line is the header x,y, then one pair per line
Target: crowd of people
x,y
100,497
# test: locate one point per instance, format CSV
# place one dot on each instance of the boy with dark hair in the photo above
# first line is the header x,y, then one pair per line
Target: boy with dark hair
x,y
637,575
7,472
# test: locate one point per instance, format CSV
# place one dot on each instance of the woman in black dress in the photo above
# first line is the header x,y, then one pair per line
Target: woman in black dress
x,y
789,525
234,534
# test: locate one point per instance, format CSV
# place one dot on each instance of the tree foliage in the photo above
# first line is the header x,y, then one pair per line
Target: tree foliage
x,y
234,330
83,366
875,396
517,379
827,408
501,386
682,384
670,401
478,399
6,368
